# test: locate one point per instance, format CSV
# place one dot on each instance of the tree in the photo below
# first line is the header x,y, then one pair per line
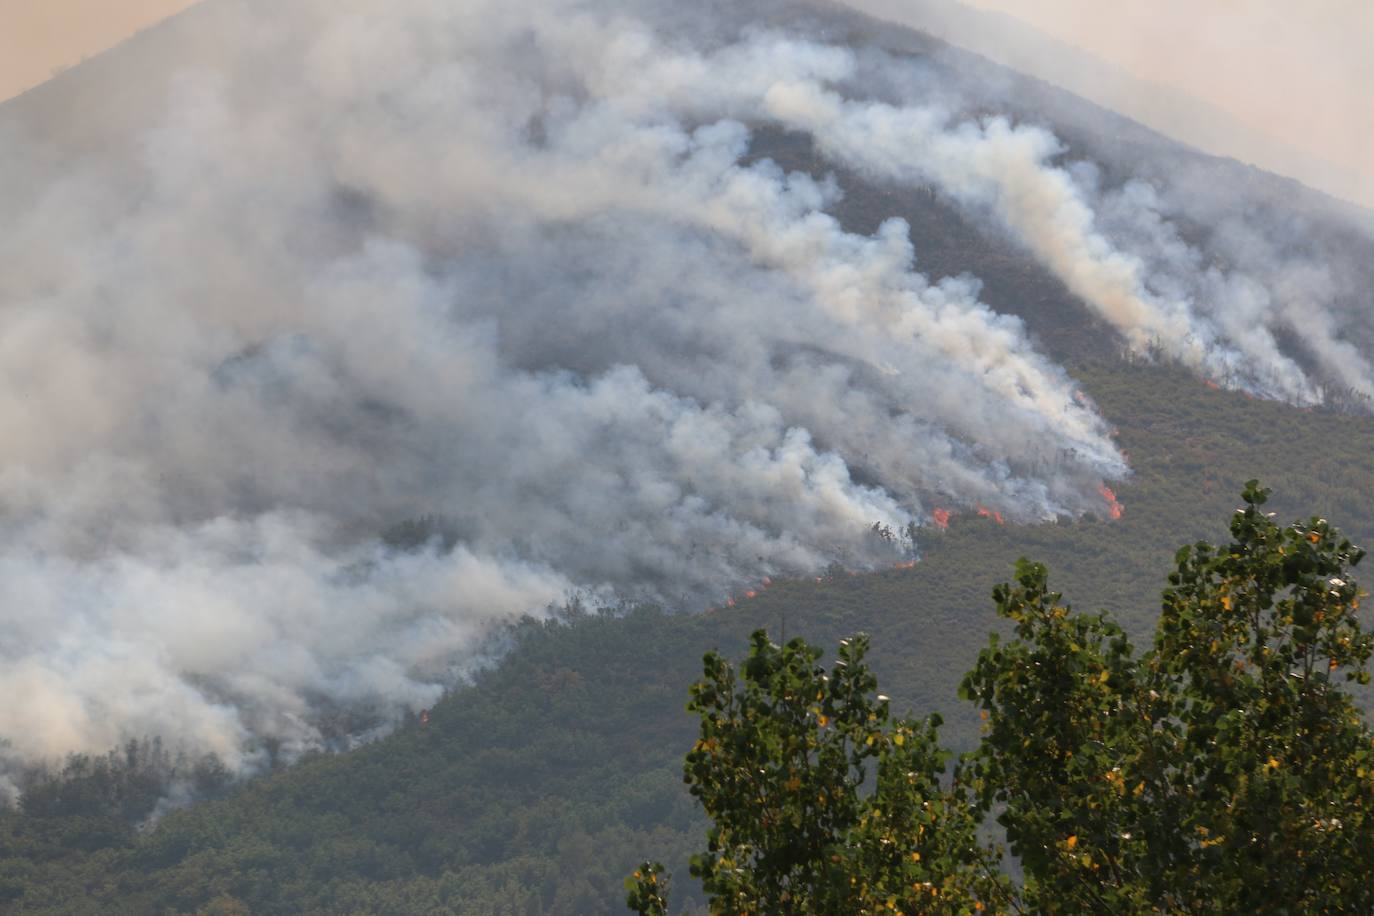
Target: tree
x,y
1227,769
784,754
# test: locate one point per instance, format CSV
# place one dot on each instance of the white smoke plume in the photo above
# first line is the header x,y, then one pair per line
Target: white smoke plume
x,y
1116,249
511,265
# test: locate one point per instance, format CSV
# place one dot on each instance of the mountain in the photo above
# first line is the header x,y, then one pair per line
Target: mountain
x,y
1020,46
539,784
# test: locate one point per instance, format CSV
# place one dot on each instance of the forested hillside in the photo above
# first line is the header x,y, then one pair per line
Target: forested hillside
x,y
540,786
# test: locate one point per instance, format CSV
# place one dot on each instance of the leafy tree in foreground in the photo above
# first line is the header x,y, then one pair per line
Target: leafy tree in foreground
x,y
1225,770
781,764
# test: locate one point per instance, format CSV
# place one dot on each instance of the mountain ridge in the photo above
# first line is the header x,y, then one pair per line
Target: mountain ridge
x,y
538,786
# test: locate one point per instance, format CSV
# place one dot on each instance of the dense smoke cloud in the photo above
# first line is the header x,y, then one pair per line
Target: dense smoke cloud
x,y
511,266
1143,279
1118,249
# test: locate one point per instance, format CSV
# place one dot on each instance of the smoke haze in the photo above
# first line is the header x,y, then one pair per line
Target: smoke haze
x,y
38,39
1277,84
515,267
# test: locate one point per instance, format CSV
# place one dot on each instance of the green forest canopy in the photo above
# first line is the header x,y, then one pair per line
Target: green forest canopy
x,y
540,786
1226,770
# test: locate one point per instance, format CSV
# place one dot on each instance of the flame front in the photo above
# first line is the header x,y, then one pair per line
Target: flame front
x,y
1114,507
985,512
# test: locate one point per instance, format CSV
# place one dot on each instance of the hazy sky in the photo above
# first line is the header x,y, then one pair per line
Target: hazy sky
x,y
1297,72
1301,72
1292,79
38,37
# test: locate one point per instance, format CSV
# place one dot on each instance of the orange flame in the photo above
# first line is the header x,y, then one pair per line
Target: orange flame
x,y
751,594
1211,384
941,517
985,512
729,602
909,564
1114,507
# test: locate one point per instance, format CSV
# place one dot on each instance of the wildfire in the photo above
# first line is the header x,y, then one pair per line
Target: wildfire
x,y
985,512
732,601
1211,384
909,564
1114,507
941,517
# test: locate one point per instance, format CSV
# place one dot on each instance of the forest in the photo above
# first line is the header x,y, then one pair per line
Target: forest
x,y
1226,769
545,782
553,766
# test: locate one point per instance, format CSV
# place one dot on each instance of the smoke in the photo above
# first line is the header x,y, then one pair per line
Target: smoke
x,y
1142,278
1220,308
1262,291
517,268
1261,81
1262,279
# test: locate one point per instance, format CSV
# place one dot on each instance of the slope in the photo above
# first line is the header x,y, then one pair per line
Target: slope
x,y
536,788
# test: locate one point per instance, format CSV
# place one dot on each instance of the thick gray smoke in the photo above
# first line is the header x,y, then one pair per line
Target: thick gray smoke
x,y
510,265
1130,263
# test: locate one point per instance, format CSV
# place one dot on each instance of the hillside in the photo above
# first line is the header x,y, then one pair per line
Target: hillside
x,y
539,785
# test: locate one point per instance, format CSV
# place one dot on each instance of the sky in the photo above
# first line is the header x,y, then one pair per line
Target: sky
x,y
40,37
1290,69
1281,85
1291,77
